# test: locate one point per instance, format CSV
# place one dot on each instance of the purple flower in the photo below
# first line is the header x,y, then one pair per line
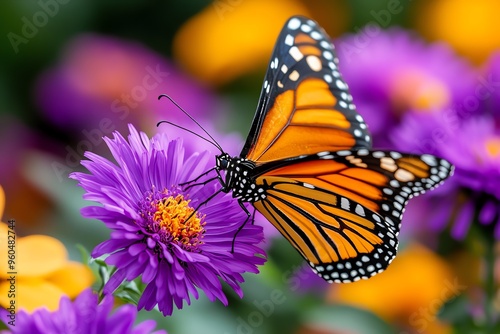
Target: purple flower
x,y
475,151
105,83
490,85
162,231
391,72
83,315
473,145
422,98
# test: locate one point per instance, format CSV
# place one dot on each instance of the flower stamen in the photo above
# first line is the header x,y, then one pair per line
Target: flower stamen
x,y
493,147
414,90
172,217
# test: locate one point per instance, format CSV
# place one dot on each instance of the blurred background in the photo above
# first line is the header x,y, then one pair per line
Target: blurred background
x,y
424,74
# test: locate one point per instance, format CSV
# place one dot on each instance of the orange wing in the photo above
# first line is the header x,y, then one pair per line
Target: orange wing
x,y
342,211
305,106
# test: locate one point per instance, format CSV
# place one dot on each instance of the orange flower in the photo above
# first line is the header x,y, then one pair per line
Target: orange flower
x,y
410,292
229,38
43,272
469,26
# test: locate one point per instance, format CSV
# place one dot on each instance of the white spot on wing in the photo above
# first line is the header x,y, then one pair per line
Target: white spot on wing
x,y
403,175
314,63
294,76
359,210
316,35
295,53
429,159
340,84
344,203
306,28
294,23
328,55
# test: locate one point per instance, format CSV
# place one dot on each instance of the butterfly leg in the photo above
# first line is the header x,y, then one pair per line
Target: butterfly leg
x,y
242,225
198,177
203,203
191,185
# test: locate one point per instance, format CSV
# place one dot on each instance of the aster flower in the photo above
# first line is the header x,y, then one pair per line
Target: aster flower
x,y
391,72
162,231
475,151
468,137
490,79
472,144
83,315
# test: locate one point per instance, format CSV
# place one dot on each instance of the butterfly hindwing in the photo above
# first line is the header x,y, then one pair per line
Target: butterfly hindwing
x,y
304,96
340,245
342,210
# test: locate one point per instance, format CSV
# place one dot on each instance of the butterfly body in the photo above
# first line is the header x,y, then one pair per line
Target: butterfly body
x,y
239,178
308,166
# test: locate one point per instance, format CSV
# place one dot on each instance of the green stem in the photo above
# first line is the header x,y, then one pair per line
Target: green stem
x,y
490,286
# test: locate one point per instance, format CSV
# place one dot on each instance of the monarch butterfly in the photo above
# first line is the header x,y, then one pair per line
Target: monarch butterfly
x,y
308,167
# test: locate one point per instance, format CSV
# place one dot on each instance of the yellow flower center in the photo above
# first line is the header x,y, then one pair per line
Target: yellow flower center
x,y
493,146
176,221
414,90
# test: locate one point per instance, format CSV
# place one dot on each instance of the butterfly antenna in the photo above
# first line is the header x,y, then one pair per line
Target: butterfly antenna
x,y
187,130
213,142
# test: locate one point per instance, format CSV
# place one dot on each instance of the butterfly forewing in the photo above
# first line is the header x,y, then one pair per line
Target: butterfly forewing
x,y
305,106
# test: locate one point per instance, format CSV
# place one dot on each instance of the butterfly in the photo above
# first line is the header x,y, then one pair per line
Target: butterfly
x,y
308,167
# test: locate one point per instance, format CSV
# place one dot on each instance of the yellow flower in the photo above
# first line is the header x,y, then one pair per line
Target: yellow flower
x,y
229,38
471,27
410,292
43,272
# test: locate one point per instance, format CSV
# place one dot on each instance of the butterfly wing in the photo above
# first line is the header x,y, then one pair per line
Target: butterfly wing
x,y
304,107
342,211
311,173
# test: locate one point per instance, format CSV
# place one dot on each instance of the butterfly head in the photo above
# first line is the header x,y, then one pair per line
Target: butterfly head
x,y
222,161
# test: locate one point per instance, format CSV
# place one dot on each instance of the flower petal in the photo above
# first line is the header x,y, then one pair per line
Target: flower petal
x,y
39,256
72,278
33,294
